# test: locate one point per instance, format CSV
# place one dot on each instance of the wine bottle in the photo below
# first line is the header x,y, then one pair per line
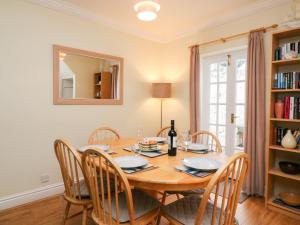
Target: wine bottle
x,y
172,149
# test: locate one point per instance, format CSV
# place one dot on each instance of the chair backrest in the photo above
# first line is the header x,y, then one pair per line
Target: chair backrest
x,y
230,177
163,132
103,135
205,137
99,170
71,168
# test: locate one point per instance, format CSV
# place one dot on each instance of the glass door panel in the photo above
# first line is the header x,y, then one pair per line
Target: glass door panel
x,y
223,100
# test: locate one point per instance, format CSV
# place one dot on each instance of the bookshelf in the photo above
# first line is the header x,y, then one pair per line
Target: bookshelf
x,y
276,180
286,62
103,85
285,90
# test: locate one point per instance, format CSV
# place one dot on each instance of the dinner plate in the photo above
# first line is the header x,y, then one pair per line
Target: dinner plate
x,y
158,139
198,147
86,147
127,162
199,163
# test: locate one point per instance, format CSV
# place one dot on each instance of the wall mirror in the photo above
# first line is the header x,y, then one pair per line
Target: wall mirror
x,y
86,78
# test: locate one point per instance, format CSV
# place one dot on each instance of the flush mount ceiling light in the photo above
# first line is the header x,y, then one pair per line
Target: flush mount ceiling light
x,y
147,10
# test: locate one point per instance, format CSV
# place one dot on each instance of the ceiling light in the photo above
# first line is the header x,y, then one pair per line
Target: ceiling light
x,y
147,10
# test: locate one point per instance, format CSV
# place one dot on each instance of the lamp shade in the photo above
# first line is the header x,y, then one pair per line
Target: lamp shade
x,y
161,90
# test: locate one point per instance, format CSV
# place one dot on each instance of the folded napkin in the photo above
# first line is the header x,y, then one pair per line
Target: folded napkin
x,y
196,173
138,169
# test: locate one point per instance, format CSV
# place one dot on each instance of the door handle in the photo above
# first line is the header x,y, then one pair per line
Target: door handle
x,y
232,118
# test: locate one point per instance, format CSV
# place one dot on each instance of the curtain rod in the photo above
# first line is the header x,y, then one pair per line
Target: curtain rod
x,y
228,38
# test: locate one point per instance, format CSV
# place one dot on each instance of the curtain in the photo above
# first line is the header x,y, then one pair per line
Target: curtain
x,y
256,115
194,89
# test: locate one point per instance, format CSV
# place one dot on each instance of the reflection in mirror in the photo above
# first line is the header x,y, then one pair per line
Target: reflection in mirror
x,y
87,77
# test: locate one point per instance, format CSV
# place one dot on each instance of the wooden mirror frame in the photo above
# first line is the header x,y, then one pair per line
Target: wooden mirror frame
x,y
57,100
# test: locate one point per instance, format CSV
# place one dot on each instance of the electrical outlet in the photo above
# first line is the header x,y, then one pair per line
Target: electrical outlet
x,y
44,178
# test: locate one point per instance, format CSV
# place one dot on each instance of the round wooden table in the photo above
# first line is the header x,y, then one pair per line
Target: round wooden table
x,y
165,177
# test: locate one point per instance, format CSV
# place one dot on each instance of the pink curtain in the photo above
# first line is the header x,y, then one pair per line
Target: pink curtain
x,y
194,89
256,115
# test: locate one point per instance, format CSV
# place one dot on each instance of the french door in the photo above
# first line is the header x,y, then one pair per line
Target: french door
x,y
223,98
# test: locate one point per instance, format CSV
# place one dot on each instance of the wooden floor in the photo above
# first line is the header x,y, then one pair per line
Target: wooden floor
x,y
49,212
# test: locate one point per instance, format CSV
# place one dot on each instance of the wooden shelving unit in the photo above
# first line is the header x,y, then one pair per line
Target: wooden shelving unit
x,y
285,120
280,148
279,208
285,90
286,62
277,172
276,180
103,85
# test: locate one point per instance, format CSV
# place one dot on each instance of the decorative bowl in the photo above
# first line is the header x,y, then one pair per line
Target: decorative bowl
x,y
289,167
290,198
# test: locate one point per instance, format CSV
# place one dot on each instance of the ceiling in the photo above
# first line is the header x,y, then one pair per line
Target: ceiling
x,y
176,19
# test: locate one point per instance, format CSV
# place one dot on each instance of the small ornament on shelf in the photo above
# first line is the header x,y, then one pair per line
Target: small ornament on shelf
x,y
279,109
289,140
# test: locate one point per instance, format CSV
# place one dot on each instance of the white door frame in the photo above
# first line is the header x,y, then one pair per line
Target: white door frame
x,y
204,98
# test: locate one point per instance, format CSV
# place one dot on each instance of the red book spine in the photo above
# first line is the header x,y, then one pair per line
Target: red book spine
x,y
286,107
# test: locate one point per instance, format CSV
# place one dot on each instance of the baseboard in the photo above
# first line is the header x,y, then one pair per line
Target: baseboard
x,y
21,198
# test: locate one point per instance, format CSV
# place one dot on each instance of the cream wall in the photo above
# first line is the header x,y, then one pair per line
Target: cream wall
x,y
175,56
30,122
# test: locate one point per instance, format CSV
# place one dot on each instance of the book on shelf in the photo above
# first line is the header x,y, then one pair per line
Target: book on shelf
x,y
280,132
288,80
291,108
287,49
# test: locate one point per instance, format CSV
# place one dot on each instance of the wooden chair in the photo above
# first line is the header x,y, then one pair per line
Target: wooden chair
x,y
76,191
163,132
193,210
103,135
124,205
201,137
207,138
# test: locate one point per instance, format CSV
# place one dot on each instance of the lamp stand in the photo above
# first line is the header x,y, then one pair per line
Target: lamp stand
x,y
161,112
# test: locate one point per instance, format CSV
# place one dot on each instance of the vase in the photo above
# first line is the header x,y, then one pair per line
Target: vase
x,y
279,108
289,141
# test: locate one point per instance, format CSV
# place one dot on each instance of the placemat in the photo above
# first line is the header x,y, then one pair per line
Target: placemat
x,y
196,173
140,169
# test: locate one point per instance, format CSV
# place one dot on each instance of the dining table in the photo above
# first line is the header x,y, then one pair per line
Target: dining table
x,y
164,176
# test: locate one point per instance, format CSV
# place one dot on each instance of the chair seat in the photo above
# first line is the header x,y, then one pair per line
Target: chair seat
x,y
143,204
197,192
84,191
185,211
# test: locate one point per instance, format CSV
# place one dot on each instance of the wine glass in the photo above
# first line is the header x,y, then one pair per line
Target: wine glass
x,y
186,138
136,148
139,133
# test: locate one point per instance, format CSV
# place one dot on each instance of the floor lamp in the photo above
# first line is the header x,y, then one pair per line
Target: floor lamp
x,y
161,91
